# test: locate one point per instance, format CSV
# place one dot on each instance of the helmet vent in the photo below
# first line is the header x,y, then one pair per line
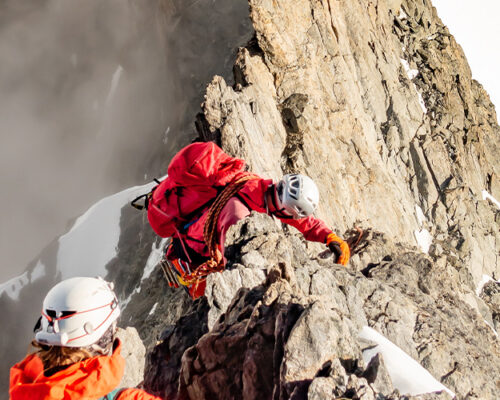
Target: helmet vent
x,y
280,190
300,195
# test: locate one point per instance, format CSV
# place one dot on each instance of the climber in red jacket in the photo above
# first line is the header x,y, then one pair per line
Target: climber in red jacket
x,y
206,191
292,200
77,355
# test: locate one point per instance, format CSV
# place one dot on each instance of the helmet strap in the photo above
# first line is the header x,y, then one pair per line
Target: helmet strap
x,y
272,206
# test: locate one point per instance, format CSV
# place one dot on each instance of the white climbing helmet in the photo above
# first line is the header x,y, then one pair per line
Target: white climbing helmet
x,y
77,312
297,195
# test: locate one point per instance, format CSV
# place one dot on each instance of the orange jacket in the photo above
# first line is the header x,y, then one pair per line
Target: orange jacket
x,y
89,379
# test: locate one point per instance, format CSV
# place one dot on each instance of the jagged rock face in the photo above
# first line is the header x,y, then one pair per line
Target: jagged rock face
x,y
163,363
491,295
374,101
134,352
296,335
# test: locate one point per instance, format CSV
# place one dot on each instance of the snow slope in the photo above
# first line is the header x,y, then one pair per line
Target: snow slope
x,y
13,286
153,260
91,243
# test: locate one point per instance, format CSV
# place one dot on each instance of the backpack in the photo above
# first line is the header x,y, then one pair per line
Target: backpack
x,y
195,176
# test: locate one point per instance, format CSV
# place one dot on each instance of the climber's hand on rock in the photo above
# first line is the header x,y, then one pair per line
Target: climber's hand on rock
x,y
338,247
335,249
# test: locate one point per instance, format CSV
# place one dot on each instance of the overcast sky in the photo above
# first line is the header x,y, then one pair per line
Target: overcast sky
x,y
476,27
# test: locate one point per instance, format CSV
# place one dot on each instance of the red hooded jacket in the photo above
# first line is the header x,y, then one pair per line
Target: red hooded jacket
x,y
89,379
179,205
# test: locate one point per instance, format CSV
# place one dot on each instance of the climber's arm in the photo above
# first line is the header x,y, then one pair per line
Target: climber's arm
x,y
253,196
313,229
316,230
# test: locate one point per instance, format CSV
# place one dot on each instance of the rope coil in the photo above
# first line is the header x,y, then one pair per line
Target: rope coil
x,y
215,262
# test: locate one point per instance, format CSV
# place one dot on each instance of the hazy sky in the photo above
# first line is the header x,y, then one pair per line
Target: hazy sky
x,y
476,28
90,90
72,75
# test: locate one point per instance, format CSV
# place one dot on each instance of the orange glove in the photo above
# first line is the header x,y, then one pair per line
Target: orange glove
x,y
339,247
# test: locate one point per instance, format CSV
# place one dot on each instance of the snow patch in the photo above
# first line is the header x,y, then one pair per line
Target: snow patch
x,y
13,286
153,260
484,281
420,216
153,309
421,101
91,243
38,272
407,375
487,196
491,327
424,239
412,73
402,15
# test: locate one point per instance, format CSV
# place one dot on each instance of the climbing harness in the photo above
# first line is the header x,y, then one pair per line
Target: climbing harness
x,y
174,270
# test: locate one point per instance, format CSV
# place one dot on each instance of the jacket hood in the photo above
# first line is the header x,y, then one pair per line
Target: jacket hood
x,y
203,162
91,378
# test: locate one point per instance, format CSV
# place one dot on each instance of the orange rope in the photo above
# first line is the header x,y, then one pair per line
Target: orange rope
x,y
215,262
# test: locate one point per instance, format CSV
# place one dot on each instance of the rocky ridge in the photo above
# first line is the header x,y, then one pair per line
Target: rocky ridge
x,y
376,102
294,334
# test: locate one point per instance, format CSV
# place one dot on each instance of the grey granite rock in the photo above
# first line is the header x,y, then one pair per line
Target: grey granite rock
x,y
134,353
307,339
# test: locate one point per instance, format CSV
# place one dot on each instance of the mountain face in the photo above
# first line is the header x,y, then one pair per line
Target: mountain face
x,y
375,101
